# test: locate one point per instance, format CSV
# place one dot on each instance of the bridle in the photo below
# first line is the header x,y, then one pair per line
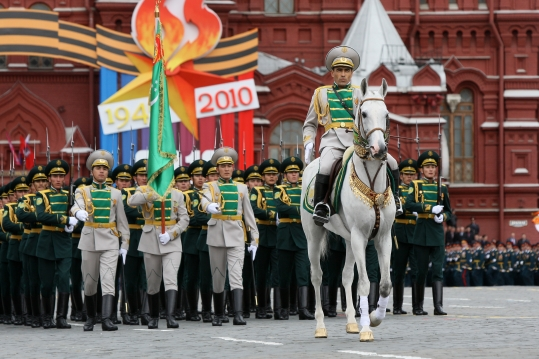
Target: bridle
x,y
361,140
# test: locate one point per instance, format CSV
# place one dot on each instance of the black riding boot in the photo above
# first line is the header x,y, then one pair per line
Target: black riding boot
x,y
114,312
27,310
106,311
76,296
398,298
47,314
332,301
373,296
230,297
420,298
219,308
61,311
303,298
73,307
293,300
171,306
285,303
6,303
99,306
321,211
246,303
438,298
91,312
325,299
192,299
261,309
145,310
162,302
206,307
17,306
268,301
131,318
277,310
153,303
35,302
238,307
180,305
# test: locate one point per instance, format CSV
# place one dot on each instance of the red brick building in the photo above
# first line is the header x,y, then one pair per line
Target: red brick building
x,y
473,61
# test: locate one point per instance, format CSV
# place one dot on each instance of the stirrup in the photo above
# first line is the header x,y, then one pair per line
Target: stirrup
x,y
318,218
399,211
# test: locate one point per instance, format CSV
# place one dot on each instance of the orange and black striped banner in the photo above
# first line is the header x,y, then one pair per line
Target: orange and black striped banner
x,y
41,33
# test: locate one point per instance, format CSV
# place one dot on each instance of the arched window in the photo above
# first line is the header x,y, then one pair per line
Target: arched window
x,y
460,134
292,140
40,6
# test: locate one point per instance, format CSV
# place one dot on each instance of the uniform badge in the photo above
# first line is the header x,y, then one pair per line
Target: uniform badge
x,y
430,153
124,196
344,50
40,168
293,159
126,167
39,201
145,161
23,179
58,163
256,168
253,197
410,190
195,203
410,161
276,195
6,213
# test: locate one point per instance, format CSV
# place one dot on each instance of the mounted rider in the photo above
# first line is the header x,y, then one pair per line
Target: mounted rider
x,y
334,107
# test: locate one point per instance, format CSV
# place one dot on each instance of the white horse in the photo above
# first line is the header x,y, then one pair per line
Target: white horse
x,y
365,187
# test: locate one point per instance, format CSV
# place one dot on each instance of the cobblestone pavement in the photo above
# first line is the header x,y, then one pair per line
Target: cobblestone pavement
x,y
495,322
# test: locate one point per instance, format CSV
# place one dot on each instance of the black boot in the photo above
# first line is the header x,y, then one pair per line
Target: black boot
x,y
261,309
91,312
321,210
268,301
293,300
420,297
47,314
162,302
206,307
171,306
246,303
311,299
332,301
219,308
61,311
35,302
99,306
192,299
76,297
230,297
107,309
325,299
73,307
398,298
17,306
153,302
277,310
114,313
145,310
373,296
27,310
438,298
303,298
131,318
238,307
180,305
396,194
344,305
285,303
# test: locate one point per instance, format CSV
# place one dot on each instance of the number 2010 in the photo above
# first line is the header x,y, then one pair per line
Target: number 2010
x,y
225,99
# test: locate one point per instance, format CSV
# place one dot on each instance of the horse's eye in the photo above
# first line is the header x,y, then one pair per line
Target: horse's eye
x,y
364,114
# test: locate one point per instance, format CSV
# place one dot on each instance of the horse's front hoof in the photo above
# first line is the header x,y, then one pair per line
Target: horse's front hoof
x,y
352,328
366,336
321,333
375,321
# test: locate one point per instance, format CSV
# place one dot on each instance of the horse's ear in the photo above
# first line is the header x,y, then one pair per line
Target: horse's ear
x,y
364,87
383,88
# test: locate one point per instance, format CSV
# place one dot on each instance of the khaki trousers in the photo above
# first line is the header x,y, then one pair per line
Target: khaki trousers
x,y
163,267
101,264
219,258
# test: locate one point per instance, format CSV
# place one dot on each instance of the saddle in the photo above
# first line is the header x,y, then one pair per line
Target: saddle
x,y
335,169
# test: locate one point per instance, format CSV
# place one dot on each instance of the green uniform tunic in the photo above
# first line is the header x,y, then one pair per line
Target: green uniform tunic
x,y
54,248
404,231
291,240
478,261
428,238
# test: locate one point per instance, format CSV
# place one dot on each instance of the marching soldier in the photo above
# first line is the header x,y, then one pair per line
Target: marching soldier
x,y
231,216
478,260
11,224
428,236
162,251
27,213
265,212
335,107
291,240
491,265
181,179
238,176
401,254
101,209
54,244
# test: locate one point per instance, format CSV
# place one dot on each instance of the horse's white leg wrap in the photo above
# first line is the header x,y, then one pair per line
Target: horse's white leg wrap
x,y
382,305
364,306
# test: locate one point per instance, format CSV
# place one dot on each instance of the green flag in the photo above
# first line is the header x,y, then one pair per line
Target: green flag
x,y
162,150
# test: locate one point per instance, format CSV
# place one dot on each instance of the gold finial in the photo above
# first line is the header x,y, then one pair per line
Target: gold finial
x,y
157,9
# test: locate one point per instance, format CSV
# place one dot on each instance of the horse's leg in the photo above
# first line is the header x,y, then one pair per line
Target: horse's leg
x,y
359,243
347,278
383,247
316,241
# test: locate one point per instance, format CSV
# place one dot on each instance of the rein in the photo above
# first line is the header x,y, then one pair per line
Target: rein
x,y
361,144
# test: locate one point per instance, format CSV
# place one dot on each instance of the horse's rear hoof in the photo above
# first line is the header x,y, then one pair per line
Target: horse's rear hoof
x,y
374,320
352,328
366,336
321,333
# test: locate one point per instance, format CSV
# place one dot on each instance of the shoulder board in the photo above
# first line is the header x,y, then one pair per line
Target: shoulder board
x,y
45,191
189,191
324,87
356,87
30,195
65,192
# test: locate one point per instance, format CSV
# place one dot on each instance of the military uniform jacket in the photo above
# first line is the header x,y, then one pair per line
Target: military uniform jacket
x,y
26,213
490,259
478,259
290,236
11,224
422,196
320,114
197,219
51,210
145,197
229,232
135,221
264,210
93,237
405,223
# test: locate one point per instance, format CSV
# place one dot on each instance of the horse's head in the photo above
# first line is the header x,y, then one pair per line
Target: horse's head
x,y
372,120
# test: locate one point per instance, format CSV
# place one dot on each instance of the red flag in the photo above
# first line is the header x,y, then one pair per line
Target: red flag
x,y
26,151
15,157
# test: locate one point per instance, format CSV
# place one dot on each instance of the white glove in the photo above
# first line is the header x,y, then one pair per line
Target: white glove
x,y
82,215
277,220
308,152
123,253
439,218
415,214
69,229
252,248
72,221
213,208
437,209
164,238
